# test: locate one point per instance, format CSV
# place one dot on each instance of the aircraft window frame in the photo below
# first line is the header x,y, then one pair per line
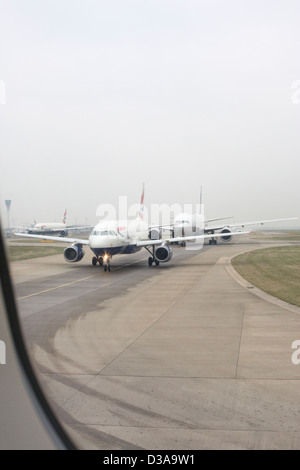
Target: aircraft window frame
x,y
13,319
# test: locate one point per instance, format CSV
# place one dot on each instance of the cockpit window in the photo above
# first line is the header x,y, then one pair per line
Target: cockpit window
x,y
103,233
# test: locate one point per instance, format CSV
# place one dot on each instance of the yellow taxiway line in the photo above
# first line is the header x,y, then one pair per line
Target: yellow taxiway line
x,y
78,280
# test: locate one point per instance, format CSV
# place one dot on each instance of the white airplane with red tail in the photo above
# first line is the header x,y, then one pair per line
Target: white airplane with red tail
x,y
112,237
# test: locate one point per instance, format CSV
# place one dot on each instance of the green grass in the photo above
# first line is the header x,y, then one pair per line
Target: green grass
x,y
273,270
17,253
31,240
282,235
291,238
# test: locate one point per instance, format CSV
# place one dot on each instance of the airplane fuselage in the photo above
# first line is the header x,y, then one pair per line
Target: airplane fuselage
x,y
187,225
117,237
49,229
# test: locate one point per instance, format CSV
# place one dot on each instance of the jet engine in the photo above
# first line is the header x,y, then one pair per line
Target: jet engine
x,y
73,253
154,234
226,238
63,233
163,253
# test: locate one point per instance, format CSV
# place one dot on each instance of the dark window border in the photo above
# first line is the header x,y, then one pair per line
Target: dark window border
x,y
20,348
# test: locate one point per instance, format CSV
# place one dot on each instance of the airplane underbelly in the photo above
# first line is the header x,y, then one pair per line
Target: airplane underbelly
x,y
50,232
116,250
187,231
131,249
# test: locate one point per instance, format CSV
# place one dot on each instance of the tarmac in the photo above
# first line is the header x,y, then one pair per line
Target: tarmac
x,y
184,356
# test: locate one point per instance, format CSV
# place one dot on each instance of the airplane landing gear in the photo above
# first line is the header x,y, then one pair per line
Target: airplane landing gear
x,y
106,263
97,259
152,260
212,240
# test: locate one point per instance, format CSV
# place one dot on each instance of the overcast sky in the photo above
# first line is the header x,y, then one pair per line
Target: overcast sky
x,y
101,96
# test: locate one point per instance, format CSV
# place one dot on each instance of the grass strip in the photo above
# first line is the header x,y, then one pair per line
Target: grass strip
x,y
273,270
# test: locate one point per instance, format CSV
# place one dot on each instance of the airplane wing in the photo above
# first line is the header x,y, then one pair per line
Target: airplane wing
x,y
80,241
55,229
81,227
167,228
219,218
174,224
21,227
243,224
184,239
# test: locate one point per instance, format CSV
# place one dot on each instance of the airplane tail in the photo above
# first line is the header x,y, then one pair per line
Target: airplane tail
x,y
141,212
200,200
65,216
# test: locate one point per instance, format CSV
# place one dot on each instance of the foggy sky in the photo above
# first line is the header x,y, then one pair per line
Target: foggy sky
x,y
103,96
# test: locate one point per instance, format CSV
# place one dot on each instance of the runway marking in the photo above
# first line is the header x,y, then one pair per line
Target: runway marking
x,y
83,279
78,280
58,287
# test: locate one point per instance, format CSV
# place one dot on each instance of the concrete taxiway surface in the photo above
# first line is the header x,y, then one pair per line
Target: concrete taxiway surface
x,y
180,356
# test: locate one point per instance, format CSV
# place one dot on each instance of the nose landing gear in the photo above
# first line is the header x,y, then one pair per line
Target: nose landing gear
x,y
103,261
106,263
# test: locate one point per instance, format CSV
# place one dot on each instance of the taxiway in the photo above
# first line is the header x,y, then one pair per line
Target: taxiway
x,y
180,356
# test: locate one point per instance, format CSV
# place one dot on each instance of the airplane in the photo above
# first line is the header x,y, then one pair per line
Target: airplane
x,y
188,224
112,237
51,228
192,224
47,228
184,224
